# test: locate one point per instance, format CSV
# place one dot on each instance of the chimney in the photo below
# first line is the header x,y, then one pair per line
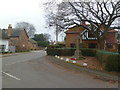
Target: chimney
x,y
9,32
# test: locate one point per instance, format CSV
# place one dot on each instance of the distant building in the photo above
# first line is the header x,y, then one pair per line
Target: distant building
x,y
33,44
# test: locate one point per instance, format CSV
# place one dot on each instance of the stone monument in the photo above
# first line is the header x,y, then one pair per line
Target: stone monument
x,y
78,54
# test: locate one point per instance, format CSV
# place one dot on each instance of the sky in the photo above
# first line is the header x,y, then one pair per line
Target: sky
x,y
13,11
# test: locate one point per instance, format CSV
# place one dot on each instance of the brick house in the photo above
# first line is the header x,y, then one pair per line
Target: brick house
x,y
88,40
19,39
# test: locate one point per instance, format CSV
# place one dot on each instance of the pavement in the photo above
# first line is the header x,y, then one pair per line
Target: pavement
x,y
36,70
12,54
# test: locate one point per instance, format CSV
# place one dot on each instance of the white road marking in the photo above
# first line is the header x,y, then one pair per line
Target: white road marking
x,y
35,51
11,76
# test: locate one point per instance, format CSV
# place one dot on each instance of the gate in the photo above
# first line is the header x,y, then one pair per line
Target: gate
x,y
12,49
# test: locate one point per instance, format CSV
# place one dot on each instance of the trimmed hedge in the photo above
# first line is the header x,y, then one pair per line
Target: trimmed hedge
x,y
113,63
53,51
60,52
102,56
109,60
88,52
70,51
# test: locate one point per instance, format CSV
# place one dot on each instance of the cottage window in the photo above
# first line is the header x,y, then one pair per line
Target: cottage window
x,y
2,48
109,45
92,45
72,45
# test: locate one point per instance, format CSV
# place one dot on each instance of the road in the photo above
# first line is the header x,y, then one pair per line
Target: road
x,y
34,70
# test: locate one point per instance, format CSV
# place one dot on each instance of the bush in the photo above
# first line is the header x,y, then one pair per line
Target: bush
x,y
60,52
102,56
113,63
69,51
56,46
88,52
109,60
53,51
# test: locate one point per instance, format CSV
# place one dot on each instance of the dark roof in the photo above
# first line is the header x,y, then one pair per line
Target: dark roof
x,y
3,34
112,31
16,33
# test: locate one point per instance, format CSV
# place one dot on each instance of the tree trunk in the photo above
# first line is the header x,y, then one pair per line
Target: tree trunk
x,y
101,41
101,44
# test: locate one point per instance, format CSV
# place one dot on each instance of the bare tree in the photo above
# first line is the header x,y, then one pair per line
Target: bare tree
x,y
51,7
100,16
28,27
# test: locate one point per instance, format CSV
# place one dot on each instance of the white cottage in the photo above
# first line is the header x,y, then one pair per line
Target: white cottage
x,y
4,41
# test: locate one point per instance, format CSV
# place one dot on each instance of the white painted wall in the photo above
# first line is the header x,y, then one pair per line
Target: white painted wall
x,y
6,43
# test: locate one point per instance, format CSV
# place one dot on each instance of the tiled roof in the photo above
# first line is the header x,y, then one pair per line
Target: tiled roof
x,y
112,31
3,34
15,33
75,29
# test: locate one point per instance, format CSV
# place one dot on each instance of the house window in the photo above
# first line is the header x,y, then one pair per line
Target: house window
x,y
92,45
90,34
72,45
109,45
2,48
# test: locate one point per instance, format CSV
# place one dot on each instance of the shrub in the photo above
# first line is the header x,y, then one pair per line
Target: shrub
x,y
54,46
113,63
69,51
109,60
53,51
88,52
102,56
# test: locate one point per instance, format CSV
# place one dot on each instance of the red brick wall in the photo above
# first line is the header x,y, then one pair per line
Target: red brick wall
x,y
23,41
70,38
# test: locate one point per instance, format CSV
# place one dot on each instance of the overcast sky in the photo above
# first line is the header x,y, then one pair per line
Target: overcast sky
x,y
13,11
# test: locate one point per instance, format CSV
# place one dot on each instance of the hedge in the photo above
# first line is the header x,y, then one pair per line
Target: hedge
x,y
88,52
102,56
110,61
113,63
70,51
53,52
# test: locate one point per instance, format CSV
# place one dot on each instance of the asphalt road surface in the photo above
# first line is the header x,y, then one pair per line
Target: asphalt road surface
x,y
33,70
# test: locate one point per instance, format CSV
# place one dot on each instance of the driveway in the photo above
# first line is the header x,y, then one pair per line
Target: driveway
x,y
34,70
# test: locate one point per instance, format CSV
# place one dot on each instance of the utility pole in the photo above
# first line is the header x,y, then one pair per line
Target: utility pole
x,y
56,32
